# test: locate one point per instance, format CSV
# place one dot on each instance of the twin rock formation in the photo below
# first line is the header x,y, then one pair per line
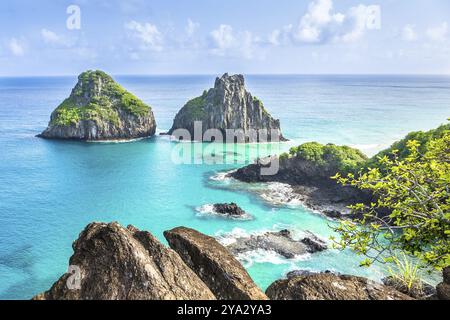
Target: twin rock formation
x,y
117,263
100,109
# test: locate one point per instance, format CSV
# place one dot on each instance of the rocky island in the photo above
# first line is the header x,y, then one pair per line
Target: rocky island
x,y
228,106
100,109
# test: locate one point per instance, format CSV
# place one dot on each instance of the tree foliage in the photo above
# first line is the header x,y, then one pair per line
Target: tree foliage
x,y
342,158
411,212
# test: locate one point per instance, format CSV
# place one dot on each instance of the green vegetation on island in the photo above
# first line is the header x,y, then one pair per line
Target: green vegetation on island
x,y
103,104
341,158
195,108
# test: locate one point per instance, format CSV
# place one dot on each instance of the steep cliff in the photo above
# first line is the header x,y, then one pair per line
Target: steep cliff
x,y
228,106
100,109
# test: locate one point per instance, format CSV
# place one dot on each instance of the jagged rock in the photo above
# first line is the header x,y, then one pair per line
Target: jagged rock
x,y
127,264
329,286
223,274
100,109
280,242
443,288
228,106
421,290
313,243
231,209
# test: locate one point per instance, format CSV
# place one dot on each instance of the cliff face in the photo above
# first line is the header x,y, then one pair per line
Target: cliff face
x,y
228,106
100,109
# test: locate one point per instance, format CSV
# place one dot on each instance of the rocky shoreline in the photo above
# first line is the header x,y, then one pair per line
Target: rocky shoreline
x,y
111,262
309,183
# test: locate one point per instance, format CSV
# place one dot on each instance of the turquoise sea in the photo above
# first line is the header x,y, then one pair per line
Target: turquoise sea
x,y
50,190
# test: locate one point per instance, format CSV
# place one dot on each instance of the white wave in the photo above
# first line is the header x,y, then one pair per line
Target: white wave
x,y
249,258
260,255
117,140
227,238
281,194
222,176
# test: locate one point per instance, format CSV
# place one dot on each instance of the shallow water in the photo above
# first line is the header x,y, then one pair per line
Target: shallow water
x,y
50,190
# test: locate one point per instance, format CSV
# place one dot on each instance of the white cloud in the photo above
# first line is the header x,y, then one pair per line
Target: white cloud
x,y
438,33
16,47
321,24
147,33
356,23
226,42
317,21
50,36
191,27
280,37
409,33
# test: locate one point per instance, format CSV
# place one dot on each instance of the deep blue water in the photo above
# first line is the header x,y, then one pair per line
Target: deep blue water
x,y
50,190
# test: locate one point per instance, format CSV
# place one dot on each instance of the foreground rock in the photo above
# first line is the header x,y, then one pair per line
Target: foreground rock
x,y
308,169
280,242
223,274
420,290
443,289
228,106
231,209
100,109
126,264
329,286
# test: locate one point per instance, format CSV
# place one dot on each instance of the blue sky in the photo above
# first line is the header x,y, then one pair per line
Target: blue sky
x,y
216,36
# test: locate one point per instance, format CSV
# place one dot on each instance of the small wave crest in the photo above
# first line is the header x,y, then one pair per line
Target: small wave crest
x,y
281,194
250,258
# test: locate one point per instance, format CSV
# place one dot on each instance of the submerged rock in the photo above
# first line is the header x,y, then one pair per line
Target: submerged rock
x,y
329,286
314,243
126,264
223,274
228,106
231,209
100,109
280,242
